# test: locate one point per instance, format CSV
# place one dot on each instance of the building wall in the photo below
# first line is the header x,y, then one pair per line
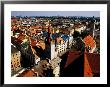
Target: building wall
x,y
15,61
54,52
70,40
37,59
11,33
61,48
71,32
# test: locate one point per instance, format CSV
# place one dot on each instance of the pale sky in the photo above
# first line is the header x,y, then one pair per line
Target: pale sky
x,y
56,13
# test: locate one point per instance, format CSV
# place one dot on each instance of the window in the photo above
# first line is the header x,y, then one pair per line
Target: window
x,y
17,63
17,59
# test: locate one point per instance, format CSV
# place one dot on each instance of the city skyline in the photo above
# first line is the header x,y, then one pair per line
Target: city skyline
x,y
55,46
56,13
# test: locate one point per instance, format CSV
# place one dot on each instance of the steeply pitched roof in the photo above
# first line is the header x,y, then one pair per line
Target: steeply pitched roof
x,y
93,61
54,36
45,34
73,55
65,37
89,41
21,37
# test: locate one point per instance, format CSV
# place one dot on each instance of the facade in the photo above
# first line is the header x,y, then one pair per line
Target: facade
x,y
61,45
11,33
70,41
71,32
61,48
54,52
15,59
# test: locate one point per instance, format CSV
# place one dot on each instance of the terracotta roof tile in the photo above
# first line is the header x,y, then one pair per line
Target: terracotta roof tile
x,y
27,73
21,37
94,61
87,68
89,41
73,55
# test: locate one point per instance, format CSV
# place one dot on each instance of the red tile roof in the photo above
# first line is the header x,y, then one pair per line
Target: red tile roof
x,y
21,37
87,68
91,62
27,73
94,61
33,42
73,55
16,40
89,41
35,27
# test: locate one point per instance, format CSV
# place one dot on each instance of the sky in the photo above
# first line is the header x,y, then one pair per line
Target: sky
x,y
56,13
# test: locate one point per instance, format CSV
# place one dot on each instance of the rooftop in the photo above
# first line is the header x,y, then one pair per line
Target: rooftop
x,y
89,41
94,61
13,49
